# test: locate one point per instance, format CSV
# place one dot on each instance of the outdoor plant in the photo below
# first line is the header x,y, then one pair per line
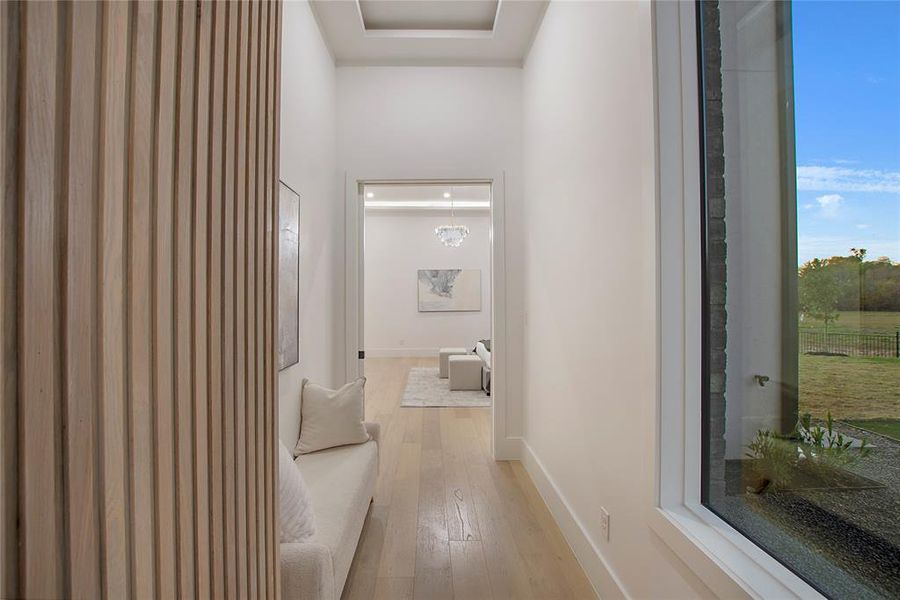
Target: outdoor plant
x,y
812,449
775,457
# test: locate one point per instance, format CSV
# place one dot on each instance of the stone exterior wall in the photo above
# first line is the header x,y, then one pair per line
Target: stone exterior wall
x,y
716,247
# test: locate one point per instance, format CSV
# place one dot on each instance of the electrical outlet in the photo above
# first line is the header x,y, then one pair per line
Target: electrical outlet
x,y
604,523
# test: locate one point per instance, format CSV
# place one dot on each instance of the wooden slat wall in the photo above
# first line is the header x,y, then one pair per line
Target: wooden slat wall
x,y
137,277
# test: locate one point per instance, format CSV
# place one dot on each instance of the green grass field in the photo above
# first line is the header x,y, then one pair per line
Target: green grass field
x,y
858,322
888,427
850,387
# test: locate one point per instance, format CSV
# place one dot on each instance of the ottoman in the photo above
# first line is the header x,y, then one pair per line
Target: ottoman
x,y
465,372
446,353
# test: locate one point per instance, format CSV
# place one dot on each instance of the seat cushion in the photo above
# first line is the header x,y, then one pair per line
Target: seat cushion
x,y
341,482
482,352
297,516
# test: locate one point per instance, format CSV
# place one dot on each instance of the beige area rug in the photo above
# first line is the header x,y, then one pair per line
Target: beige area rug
x,y
425,388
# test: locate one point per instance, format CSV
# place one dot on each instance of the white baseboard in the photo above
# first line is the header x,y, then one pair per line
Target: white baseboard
x,y
509,448
598,571
401,352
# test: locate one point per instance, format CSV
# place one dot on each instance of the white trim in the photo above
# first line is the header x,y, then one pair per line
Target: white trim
x,y
601,575
353,214
428,205
499,63
725,560
402,352
429,33
504,447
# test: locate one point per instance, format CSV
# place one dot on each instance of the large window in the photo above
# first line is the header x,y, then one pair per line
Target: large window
x,y
801,250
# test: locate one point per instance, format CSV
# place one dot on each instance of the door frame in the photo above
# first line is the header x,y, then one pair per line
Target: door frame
x,y
503,447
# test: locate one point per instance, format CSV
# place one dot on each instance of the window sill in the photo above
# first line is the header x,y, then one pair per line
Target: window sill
x,y
727,562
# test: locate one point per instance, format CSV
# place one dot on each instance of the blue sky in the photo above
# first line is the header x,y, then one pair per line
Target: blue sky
x,y
847,119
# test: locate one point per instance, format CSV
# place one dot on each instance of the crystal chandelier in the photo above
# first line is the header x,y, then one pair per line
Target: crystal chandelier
x,y
451,235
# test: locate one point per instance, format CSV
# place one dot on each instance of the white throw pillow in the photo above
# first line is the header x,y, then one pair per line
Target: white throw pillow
x,y
297,520
330,418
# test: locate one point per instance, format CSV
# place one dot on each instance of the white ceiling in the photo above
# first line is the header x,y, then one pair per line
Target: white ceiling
x,y
429,32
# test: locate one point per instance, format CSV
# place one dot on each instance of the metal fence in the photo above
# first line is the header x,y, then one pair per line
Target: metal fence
x,y
850,344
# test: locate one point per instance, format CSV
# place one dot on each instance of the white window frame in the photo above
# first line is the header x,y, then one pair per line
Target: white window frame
x,y
724,559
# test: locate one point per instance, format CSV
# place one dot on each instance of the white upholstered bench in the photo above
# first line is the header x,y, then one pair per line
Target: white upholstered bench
x,y
445,354
465,372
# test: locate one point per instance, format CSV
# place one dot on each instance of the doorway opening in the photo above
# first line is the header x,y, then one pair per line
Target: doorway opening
x,y
425,291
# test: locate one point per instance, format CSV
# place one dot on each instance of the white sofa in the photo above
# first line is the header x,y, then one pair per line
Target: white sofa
x,y
341,482
482,352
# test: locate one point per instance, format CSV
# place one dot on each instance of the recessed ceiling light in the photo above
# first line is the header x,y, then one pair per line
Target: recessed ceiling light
x,y
446,194
370,194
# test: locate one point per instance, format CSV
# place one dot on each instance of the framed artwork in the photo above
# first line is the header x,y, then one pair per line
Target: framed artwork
x,y
288,277
449,290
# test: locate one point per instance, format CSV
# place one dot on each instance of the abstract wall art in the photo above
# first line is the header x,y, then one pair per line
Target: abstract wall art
x,y
449,290
288,277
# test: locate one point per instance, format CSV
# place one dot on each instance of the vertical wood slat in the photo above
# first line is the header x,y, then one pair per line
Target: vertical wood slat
x,y
162,300
184,414
250,301
273,165
215,249
138,265
8,276
40,493
111,305
240,294
139,289
275,84
268,327
261,156
228,338
81,322
199,315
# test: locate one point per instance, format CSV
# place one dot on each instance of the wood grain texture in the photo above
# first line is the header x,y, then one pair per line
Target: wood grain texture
x,y
114,444
262,111
199,314
240,297
140,233
251,351
9,48
273,44
228,338
81,372
437,482
255,466
184,373
215,242
137,268
42,565
162,299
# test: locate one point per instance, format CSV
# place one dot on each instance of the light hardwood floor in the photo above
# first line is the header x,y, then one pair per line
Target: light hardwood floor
x,y
448,521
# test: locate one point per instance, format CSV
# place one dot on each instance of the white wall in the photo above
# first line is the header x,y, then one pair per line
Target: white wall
x,y
398,244
590,346
308,166
427,120
753,180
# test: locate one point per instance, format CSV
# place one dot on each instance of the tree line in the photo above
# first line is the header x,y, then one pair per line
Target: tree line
x,y
830,285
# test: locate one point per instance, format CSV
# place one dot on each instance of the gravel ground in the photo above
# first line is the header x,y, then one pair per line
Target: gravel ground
x,y
844,542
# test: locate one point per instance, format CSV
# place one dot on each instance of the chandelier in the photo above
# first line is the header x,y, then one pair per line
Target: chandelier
x,y
451,235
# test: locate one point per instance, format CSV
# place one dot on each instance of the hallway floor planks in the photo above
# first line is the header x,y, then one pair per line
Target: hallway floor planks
x,y
447,521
